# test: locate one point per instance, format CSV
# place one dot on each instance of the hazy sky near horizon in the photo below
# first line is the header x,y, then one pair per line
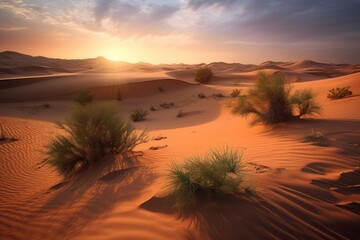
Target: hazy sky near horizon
x,y
189,31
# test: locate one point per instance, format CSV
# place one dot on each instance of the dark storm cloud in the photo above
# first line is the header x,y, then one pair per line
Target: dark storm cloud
x,y
284,20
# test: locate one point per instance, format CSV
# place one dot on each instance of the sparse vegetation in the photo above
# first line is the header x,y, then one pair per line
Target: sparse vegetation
x,y
216,174
92,134
338,93
119,95
46,105
201,95
160,89
180,113
139,115
152,108
218,95
83,97
304,103
204,75
167,105
270,101
235,93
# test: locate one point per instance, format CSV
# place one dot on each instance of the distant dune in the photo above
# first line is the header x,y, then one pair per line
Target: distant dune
x,y
306,190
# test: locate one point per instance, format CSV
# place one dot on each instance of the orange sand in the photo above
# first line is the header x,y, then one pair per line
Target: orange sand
x,y
307,191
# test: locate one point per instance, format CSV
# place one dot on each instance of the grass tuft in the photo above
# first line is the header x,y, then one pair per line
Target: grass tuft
x,y
217,174
139,115
235,93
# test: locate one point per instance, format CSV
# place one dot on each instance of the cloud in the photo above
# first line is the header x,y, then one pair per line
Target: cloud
x,y
133,19
197,4
274,21
12,28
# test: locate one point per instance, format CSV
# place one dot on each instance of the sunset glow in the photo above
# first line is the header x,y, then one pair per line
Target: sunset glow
x,y
190,31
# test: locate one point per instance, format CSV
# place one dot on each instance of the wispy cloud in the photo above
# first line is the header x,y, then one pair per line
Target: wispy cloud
x,y
12,28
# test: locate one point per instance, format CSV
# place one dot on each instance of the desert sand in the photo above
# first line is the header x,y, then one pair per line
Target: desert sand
x,y
306,190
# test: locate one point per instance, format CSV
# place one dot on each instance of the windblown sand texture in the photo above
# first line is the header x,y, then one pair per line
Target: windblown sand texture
x,y
308,190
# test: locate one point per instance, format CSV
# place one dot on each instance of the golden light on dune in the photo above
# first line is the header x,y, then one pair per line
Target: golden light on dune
x,y
81,81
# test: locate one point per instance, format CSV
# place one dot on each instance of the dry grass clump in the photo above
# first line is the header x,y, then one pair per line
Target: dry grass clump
x,y
338,93
166,105
201,95
180,114
235,93
92,134
139,115
216,174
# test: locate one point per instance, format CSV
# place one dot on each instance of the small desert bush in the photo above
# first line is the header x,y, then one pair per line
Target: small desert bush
x,y
218,173
201,95
83,97
270,101
139,115
160,89
180,113
204,75
338,93
152,108
303,102
92,134
218,95
166,105
235,93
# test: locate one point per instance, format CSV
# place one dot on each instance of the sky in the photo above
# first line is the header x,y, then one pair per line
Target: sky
x,y
184,31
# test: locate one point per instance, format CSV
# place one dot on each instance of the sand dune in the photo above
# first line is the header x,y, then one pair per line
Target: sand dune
x,y
307,190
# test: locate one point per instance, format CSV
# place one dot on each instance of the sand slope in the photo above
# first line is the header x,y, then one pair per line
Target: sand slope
x,y
307,190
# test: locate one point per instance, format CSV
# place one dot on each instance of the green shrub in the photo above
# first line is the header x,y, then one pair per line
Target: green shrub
x,y
304,103
92,134
338,93
270,101
139,115
235,93
218,173
83,97
204,75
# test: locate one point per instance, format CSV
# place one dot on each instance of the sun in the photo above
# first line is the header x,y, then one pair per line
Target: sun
x,y
113,56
